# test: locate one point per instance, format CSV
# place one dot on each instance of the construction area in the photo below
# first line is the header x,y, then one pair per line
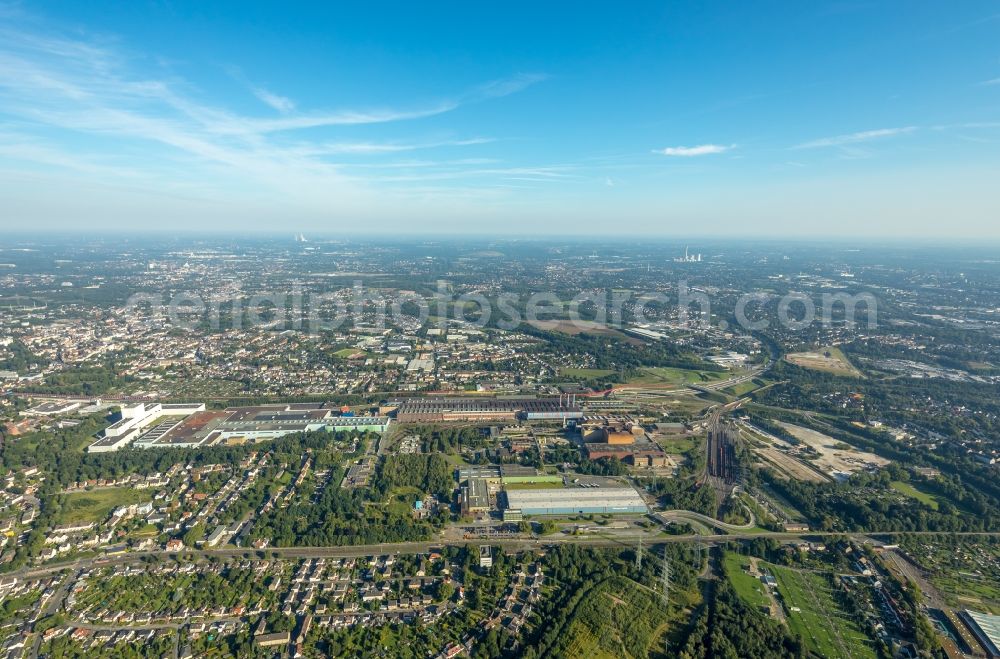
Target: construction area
x,y
816,458
834,458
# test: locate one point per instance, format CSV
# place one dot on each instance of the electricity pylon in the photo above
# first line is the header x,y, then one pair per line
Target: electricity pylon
x,y
665,580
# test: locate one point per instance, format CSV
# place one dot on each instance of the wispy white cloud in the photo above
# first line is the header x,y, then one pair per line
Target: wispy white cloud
x,y
376,148
421,164
18,147
548,174
855,138
968,125
691,151
237,125
490,90
282,104
77,104
990,83
507,86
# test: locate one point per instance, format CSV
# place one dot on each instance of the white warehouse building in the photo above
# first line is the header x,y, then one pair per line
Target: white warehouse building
x,y
574,500
135,419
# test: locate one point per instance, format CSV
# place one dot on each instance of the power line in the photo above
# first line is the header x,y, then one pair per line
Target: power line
x,y
665,579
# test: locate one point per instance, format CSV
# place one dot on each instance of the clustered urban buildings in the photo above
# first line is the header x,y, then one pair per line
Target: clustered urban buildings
x,y
525,419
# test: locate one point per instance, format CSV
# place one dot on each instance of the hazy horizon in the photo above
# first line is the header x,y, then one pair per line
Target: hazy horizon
x,y
477,240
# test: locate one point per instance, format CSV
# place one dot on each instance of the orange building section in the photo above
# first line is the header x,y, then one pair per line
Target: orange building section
x,y
618,437
616,434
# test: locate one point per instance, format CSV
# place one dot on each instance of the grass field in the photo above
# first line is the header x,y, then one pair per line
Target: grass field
x,y
687,404
749,588
399,500
584,373
404,490
574,327
743,388
914,493
147,531
813,613
829,360
662,375
94,506
455,459
679,446
679,402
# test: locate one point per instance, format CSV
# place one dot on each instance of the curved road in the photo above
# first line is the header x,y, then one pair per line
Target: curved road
x,y
692,516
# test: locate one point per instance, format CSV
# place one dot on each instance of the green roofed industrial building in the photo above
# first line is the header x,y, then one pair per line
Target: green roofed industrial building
x,y
512,474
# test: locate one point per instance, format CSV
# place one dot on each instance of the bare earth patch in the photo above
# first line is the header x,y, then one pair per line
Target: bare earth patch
x,y
828,360
833,458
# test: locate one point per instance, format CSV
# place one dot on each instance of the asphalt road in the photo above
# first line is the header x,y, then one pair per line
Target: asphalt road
x,y
511,544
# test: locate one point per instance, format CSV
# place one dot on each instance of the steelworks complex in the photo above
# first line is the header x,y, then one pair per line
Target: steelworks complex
x,y
429,410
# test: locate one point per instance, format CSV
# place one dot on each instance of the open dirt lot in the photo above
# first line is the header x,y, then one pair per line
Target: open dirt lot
x,y
779,455
789,466
838,462
830,360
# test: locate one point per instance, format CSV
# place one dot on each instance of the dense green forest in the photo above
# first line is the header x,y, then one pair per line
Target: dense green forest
x,y
341,517
429,473
728,628
866,502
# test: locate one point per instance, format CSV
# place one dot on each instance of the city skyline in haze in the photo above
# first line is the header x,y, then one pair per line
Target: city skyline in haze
x,y
768,119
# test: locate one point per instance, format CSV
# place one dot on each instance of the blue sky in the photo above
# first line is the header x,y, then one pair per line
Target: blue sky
x,y
670,118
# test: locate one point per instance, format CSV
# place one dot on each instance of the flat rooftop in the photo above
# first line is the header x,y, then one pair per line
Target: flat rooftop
x,y
54,407
477,493
465,473
437,405
575,497
109,441
201,426
639,447
351,421
509,470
